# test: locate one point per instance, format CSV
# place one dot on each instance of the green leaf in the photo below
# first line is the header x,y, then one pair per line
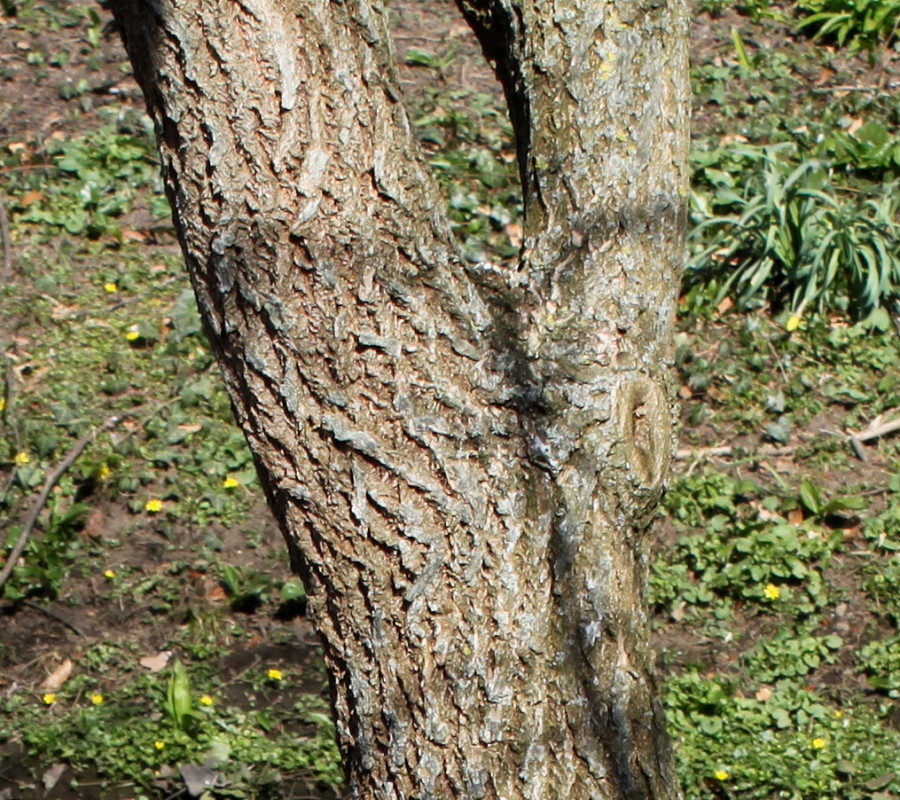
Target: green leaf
x,y
420,58
810,496
178,697
880,782
292,589
781,718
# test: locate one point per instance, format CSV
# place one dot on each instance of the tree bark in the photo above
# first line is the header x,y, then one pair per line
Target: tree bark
x,y
463,458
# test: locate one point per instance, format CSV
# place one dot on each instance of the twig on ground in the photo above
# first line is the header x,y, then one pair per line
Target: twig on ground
x,y
876,431
6,274
848,88
140,296
700,454
777,357
858,448
432,39
685,453
854,438
9,417
27,168
142,422
9,398
54,616
74,451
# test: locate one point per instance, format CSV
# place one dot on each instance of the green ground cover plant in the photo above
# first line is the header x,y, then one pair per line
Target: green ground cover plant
x,y
784,742
99,177
744,550
149,721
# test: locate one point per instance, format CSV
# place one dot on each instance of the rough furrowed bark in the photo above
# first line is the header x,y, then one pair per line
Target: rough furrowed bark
x,y
600,94
463,482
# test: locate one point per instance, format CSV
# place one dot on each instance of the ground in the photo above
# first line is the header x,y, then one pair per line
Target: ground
x,y
775,582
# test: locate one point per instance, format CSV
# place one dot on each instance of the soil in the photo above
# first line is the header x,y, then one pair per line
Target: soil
x,y
34,636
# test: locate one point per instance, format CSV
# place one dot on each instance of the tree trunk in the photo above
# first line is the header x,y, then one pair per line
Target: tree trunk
x,y
463,459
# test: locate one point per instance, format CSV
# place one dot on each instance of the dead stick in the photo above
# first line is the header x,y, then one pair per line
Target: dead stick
x,y
9,417
854,438
858,449
880,430
52,478
849,88
7,245
54,616
27,167
707,452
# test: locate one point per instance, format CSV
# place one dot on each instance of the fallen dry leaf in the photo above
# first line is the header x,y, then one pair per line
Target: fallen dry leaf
x,y
95,523
133,235
515,233
763,694
158,662
824,76
54,681
213,592
31,197
198,779
51,777
460,29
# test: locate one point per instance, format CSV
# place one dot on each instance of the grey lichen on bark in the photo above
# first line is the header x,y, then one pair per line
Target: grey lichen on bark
x,y
463,461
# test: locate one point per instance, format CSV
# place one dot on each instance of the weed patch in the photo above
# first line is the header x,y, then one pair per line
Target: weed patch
x,y
781,741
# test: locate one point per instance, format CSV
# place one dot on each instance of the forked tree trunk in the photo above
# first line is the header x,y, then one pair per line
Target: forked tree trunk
x,y
463,459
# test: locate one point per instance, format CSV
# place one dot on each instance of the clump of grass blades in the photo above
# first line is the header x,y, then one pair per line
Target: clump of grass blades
x,y
860,24
792,236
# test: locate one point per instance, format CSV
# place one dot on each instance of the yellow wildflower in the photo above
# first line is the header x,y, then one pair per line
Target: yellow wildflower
x,y
793,323
104,472
22,458
838,713
153,505
131,334
49,698
818,743
110,287
2,404
159,745
721,775
97,698
274,674
109,573
206,700
772,592
230,482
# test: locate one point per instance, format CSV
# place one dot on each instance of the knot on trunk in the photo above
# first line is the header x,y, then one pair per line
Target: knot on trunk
x,y
645,435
